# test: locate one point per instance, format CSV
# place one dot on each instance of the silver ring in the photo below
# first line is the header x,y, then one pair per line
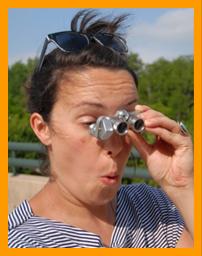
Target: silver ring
x,y
183,129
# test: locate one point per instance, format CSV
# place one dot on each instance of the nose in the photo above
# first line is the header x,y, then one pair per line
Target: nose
x,y
114,145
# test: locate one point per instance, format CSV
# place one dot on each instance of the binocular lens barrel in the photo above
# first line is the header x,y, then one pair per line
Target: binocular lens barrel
x,y
122,128
137,125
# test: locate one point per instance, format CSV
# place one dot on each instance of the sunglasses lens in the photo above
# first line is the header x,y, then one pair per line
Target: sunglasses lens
x,y
70,41
112,41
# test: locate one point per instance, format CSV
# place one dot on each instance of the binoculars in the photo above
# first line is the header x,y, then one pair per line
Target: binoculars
x,y
123,120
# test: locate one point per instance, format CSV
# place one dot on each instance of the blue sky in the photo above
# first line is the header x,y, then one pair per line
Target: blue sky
x,y
152,33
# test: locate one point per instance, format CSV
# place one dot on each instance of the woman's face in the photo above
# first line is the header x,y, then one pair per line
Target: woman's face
x,y
88,169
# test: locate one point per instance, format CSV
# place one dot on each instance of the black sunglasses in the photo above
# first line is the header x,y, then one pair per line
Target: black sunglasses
x,y
69,41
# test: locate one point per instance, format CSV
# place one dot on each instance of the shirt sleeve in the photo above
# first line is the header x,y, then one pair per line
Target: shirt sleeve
x,y
167,215
173,219
157,216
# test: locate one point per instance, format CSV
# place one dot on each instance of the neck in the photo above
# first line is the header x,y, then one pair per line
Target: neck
x,y
53,202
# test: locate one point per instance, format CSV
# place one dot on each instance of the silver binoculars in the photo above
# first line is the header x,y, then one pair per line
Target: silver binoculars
x,y
123,120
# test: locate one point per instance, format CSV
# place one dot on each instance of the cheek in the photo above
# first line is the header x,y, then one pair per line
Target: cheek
x,y
83,140
83,145
88,146
75,140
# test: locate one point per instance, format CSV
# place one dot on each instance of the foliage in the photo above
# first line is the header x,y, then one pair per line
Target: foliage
x,y
18,117
135,63
167,86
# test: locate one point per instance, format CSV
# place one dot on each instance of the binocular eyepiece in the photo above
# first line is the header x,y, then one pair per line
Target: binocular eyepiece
x,y
122,121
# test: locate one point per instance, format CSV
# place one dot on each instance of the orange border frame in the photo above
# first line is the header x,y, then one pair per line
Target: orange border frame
x,y
196,4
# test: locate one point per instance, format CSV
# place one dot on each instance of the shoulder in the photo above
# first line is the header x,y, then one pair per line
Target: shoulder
x,y
148,199
19,215
19,228
145,195
138,193
154,212
25,230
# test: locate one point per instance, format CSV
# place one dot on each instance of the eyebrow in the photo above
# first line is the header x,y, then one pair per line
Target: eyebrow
x,y
132,101
89,104
99,105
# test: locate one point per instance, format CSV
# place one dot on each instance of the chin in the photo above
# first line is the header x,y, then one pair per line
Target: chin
x,y
107,194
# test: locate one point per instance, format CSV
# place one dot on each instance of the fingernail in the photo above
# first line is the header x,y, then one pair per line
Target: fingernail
x,y
138,107
147,122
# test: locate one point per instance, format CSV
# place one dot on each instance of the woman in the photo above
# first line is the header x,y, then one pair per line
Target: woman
x,y
84,205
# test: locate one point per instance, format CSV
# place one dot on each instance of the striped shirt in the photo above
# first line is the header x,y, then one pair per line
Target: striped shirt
x,y
145,218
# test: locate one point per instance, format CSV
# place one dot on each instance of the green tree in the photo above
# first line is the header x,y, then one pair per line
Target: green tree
x,y
167,86
135,63
18,118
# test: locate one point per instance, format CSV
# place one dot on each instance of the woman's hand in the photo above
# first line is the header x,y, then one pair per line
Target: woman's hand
x,y
170,159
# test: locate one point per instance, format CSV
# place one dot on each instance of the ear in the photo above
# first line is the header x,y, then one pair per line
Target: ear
x,y
40,128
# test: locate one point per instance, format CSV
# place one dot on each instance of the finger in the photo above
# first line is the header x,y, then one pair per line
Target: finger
x,y
150,113
163,122
141,108
140,144
174,139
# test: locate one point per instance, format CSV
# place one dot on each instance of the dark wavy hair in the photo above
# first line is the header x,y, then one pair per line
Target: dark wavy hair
x,y
42,86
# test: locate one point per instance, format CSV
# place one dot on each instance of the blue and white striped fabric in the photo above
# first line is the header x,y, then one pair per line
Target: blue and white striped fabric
x,y
145,218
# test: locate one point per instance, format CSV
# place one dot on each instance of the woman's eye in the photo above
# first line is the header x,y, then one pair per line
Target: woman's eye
x,y
89,123
87,120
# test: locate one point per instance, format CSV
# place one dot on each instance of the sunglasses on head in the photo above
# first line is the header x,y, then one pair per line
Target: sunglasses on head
x,y
70,41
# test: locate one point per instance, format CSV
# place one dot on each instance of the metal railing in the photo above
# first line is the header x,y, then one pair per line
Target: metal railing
x,y
15,162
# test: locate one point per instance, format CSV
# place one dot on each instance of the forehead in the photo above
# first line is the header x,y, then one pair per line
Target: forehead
x,y
101,85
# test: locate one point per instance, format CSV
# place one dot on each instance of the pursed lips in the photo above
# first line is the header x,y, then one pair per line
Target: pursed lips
x,y
111,175
110,178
